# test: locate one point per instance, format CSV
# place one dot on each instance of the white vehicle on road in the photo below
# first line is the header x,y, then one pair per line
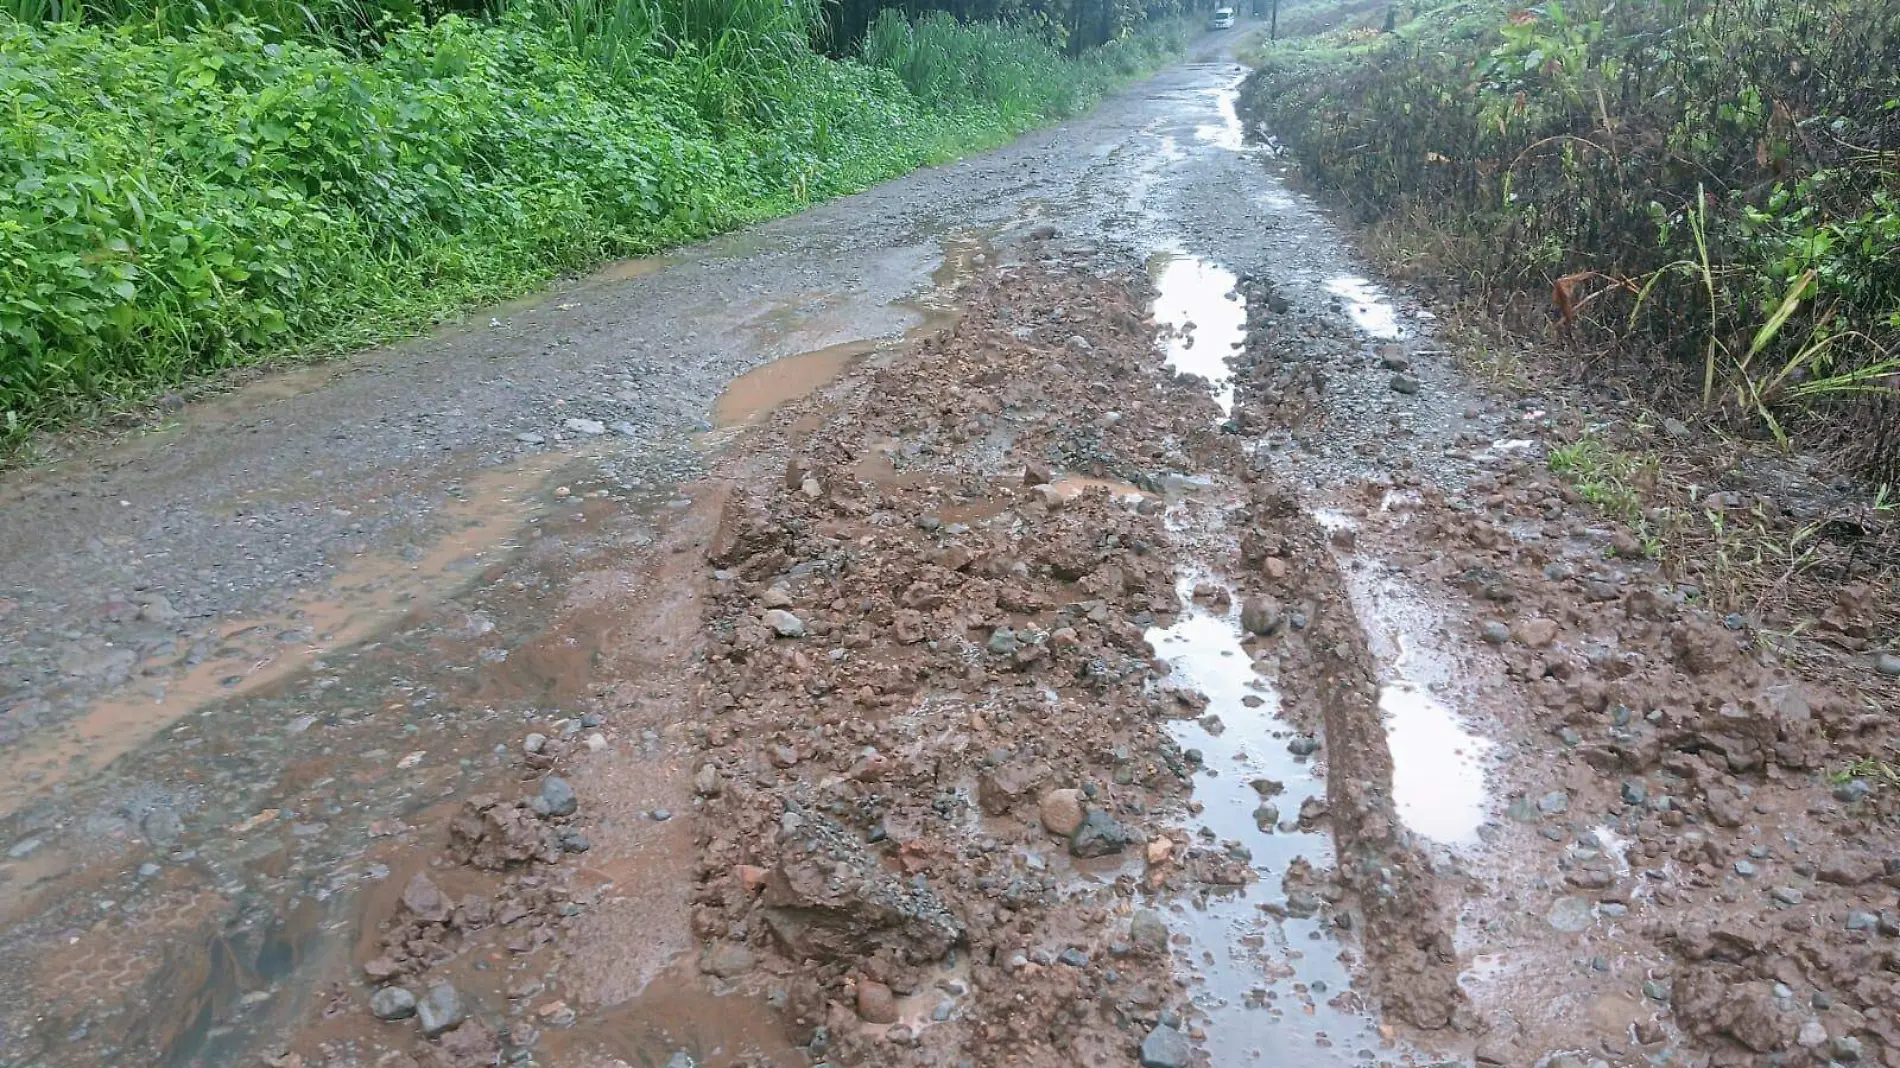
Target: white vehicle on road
x,y
1223,19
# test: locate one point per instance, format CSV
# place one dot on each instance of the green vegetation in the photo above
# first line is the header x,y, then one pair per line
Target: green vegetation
x,y
1616,482
188,189
1702,194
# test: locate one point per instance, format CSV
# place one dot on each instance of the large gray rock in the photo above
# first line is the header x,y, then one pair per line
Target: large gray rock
x,y
1099,836
1166,1047
392,1003
440,1009
557,797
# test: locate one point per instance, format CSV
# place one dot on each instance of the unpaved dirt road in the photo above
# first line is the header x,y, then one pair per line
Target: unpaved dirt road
x,y
852,642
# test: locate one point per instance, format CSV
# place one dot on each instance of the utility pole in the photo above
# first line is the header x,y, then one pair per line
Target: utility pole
x,y
1273,27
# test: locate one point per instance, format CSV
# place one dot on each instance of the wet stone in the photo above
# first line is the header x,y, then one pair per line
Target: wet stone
x,y
1061,811
1304,745
1073,957
1260,615
1495,632
1098,836
1888,664
1404,384
1862,921
876,1003
1786,895
1570,915
392,1003
1148,933
1634,792
440,1009
784,624
556,797
1555,803
1744,869
1166,1047
1003,642
1656,991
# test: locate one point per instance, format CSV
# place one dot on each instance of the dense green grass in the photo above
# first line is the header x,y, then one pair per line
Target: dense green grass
x,y
1701,192
174,203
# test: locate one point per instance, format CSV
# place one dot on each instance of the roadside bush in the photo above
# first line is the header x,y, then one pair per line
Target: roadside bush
x,y
1705,189
175,203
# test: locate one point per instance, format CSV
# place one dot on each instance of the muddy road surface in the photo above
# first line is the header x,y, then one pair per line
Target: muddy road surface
x,y
1055,609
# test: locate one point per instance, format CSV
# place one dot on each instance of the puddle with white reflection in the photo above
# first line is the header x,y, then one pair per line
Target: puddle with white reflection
x,y
1366,306
1228,133
1205,318
1273,988
1438,763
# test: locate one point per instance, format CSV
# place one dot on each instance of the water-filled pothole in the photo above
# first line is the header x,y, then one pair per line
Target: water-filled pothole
x,y
1205,319
1267,975
1366,306
1228,133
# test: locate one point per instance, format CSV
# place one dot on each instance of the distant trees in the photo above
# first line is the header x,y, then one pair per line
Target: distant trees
x,y
1076,24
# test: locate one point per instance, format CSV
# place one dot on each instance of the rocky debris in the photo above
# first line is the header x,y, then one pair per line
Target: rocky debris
x,y
494,835
999,791
440,1009
828,899
474,1044
1718,1000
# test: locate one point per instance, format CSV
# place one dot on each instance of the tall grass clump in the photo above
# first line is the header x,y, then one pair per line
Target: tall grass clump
x,y
176,202
1704,191
1015,70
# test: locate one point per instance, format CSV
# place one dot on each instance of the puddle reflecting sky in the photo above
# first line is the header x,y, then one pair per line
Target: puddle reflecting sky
x,y
1438,763
1263,982
1366,305
1437,776
1201,303
1227,133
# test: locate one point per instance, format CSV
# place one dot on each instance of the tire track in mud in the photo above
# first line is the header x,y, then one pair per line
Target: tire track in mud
x,y
899,538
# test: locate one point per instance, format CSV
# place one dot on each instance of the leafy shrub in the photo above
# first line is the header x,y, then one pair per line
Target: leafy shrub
x,y
1707,188
171,203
